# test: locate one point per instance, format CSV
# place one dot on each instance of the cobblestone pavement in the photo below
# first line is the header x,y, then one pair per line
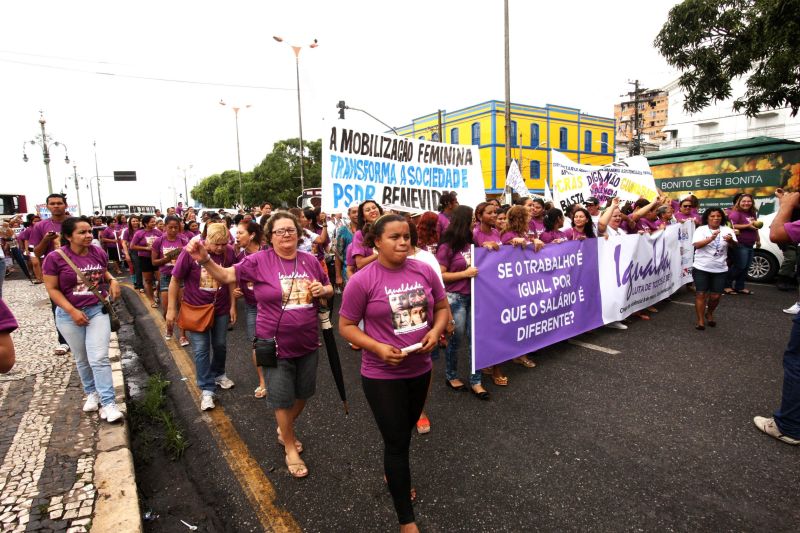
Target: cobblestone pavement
x,y
47,444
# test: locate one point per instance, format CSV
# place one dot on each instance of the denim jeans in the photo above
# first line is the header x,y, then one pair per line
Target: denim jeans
x,y
460,305
138,282
89,346
208,367
251,313
741,256
788,416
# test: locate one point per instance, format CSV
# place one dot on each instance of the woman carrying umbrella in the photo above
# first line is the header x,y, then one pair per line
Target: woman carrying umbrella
x,y
395,363
287,284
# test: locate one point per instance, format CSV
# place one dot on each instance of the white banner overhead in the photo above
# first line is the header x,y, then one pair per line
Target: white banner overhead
x,y
405,173
573,183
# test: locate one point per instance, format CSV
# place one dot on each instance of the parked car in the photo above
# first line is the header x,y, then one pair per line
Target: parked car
x,y
767,259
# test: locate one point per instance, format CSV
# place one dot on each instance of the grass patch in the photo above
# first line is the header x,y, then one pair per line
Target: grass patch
x,y
151,411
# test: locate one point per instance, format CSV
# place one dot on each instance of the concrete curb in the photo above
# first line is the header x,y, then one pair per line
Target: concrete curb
x,y
117,507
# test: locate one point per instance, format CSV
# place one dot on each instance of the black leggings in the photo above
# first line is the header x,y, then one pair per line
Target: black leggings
x,y
396,405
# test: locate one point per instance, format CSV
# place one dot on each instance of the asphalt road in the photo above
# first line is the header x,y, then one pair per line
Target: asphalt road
x,y
656,437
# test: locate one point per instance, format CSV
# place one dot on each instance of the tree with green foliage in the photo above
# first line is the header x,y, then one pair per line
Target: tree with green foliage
x,y
714,42
275,179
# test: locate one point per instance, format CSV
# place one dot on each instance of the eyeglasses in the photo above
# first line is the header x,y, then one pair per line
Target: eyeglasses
x,y
687,205
285,231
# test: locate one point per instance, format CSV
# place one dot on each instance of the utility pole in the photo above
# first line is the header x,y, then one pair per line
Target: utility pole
x,y
441,137
508,87
97,176
77,189
635,146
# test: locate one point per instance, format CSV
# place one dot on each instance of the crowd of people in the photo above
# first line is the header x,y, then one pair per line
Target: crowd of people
x,y
404,281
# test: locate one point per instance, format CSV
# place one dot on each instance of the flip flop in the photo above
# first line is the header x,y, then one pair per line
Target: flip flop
x,y
261,392
500,381
730,292
746,292
423,425
524,361
297,470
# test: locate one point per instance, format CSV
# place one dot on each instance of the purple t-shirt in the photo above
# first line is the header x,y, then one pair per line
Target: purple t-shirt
x,y
479,237
747,236
247,286
24,235
199,288
571,234
110,232
357,248
7,321
647,226
93,266
162,246
145,238
535,227
397,309
793,230
40,229
680,217
455,262
442,223
552,235
189,234
276,281
506,237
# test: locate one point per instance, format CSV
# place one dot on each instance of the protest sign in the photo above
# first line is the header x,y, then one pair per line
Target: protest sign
x,y
639,271
392,170
573,182
526,300
515,181
686,249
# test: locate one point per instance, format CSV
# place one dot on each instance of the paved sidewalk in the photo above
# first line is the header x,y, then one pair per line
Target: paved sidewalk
x,y
62,470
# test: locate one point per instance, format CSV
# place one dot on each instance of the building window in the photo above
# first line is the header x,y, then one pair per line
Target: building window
x,y
534,135
435,137
562,138
476,133
513,133
454,136
535,170
604,143
587,141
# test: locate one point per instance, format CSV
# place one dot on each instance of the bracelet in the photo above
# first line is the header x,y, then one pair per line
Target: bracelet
x,y
201,263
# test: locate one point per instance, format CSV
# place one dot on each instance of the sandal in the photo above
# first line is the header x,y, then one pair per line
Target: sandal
x,y
729,292
297,470
297,444
746,292
261,392
500,381
710,321
699,327
524,361
423,425
643,316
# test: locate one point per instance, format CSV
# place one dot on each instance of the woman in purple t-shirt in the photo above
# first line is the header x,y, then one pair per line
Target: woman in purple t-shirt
x,y
582,227
131,257
200,288
553,222
80,316
287,284
744,218
404,309
163,256
142,244
455,260
485,234
358,255
248,238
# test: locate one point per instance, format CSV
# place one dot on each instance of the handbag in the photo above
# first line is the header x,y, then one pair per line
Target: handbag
x,y
108,309
267,349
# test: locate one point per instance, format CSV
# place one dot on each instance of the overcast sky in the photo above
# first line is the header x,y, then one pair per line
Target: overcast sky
x,y
396,60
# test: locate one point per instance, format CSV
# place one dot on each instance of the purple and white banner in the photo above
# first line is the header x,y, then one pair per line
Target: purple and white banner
x,y
525,300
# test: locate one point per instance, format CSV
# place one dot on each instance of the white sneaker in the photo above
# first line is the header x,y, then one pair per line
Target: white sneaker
x,y
92,403
616,325
223,382
793,310
768,426
207,402
110,413
61,349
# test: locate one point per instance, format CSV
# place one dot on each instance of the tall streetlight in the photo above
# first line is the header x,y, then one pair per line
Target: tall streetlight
x,y
296,50
97,176
77,190
185,187
238,152
45,141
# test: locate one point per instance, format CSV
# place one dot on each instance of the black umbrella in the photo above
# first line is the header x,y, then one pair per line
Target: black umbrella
x,y
324,314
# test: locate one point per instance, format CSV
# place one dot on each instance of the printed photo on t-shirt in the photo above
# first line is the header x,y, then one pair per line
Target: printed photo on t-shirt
x,y
207,283
409,306
467,254
171,249
94,275
295,289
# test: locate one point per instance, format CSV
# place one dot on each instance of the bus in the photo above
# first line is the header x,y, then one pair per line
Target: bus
x,y
13,204
125,209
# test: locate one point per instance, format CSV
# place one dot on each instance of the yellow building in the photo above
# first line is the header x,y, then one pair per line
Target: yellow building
x,y
535,131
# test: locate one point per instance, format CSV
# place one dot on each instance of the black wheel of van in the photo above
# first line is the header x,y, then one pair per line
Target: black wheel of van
x,y
763,268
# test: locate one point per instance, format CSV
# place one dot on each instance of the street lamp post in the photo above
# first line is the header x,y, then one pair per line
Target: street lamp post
x,y
297,50
44,141
238,151
77,190
97,176
186,188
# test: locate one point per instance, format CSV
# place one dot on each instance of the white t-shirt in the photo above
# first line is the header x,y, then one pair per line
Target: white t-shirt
x,y
713,256
611,232
426,257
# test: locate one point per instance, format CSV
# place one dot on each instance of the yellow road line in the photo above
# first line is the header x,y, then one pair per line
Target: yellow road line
x,y
256,486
